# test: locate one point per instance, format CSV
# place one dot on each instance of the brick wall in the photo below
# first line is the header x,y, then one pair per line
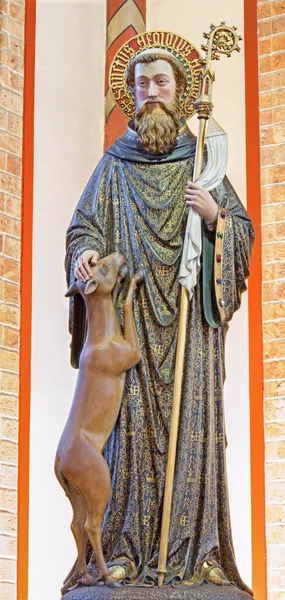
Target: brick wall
x,y
11,101
271,26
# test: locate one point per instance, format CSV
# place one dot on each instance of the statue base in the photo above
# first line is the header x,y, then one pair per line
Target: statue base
x,y
206,591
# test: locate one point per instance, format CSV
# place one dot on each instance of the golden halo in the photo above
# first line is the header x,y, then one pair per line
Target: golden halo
x,y
183,50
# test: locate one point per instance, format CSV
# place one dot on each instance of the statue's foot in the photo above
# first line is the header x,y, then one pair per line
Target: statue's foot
x,y
213,572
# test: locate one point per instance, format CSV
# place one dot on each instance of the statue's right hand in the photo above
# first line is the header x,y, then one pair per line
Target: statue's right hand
x,y
82,269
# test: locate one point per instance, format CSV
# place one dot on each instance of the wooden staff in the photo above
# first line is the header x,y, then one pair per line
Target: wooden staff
x,y
221,40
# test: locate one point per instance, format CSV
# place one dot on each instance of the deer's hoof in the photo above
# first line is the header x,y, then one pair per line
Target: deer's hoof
x,y
87,579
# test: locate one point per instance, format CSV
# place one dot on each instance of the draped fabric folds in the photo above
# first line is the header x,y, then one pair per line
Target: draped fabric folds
x,y
136,205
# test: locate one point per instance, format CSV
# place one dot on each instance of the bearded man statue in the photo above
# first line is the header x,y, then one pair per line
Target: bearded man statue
x,y
137,202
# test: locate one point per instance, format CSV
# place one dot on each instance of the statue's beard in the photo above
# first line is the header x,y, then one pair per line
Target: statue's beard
x,y
158,126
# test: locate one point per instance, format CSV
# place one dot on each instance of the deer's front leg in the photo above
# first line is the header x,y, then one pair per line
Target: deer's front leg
x,y
130,333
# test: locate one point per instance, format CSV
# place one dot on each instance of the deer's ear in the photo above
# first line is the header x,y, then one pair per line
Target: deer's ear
x,y
91,286
72,290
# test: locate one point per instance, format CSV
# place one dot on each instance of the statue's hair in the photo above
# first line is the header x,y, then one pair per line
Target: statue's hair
x,y
152,56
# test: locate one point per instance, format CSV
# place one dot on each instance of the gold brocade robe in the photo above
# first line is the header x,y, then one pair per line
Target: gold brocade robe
x,y
135,203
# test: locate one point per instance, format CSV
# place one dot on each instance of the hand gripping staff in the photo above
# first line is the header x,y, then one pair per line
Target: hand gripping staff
x,y
221,40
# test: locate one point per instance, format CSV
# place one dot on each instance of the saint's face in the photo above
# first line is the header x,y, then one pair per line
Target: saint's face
x,y
154,82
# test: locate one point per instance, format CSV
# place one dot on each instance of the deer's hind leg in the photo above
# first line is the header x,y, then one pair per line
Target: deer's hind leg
x,y
79,570
96,489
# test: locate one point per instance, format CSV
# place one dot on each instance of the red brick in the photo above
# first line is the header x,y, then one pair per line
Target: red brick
x,y
269,273
271,27
273,252
15,127
13,206
272,135
10,431
10,184
10,383
9,269
9,142
9,314
2,202
7,572
3,40
273,232
274,472
274,411
11,100
274,311
14,165
12,61
264,29
4,7
272,99
9,360
9,453
276,579
14,27
270,9
17,12
3,161
8,548
275,370
8,474
274,389
272,44
273,155
11,338
16,82
272,194
272,116
16,45
10,225
8,522
274,174
272,331
274,291
8,405
3,118
275,493
12,247
273,349
275,450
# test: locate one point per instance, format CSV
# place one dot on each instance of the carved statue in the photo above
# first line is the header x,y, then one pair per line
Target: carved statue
x,y
107,354
144,200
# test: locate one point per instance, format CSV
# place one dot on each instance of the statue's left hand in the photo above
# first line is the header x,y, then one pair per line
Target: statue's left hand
x,y
202,201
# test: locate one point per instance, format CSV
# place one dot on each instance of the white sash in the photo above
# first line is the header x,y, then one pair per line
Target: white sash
x,y
216,141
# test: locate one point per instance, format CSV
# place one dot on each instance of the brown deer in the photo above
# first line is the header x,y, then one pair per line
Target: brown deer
x,y
106,356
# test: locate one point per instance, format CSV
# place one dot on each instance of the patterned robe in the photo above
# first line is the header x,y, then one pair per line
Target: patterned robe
x,y
134,203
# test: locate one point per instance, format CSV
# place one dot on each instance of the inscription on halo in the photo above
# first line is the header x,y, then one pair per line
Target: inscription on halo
x,y
179,47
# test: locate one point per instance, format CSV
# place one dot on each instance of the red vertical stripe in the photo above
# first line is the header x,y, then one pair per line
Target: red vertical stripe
x,y
259,574
26,301
116,123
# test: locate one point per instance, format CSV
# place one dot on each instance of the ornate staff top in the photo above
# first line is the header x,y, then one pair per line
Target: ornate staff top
x,y
221,40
